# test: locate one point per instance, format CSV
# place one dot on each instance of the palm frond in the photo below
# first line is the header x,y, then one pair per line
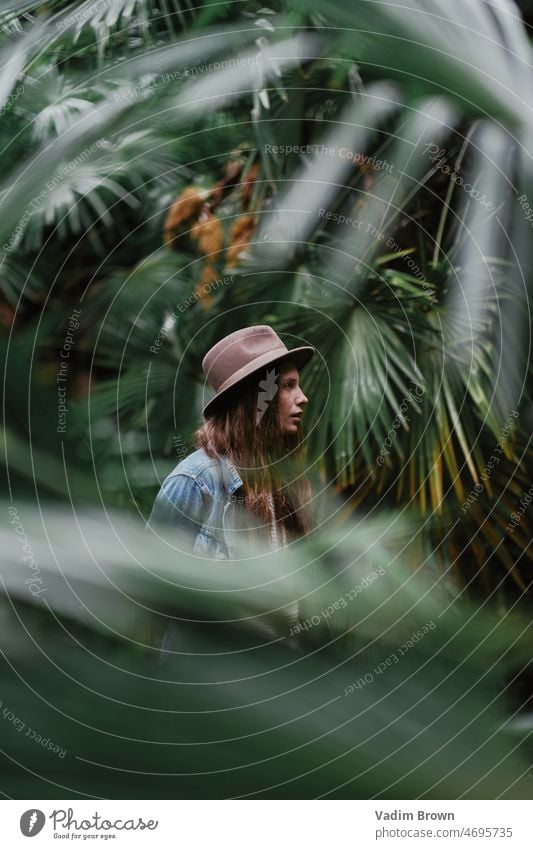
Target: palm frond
x,y
285,718
473,54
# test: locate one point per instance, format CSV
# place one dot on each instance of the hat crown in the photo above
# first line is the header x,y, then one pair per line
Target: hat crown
x,y
239,350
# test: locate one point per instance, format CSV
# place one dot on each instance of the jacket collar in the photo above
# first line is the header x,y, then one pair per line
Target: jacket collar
x,y
230,476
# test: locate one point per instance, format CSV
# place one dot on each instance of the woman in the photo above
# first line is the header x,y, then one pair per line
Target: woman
x,y
244,482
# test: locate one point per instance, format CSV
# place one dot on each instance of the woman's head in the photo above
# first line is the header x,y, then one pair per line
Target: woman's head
x,y
259,421
243,354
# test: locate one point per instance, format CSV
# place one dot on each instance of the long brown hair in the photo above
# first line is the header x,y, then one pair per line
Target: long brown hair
x,y
248,432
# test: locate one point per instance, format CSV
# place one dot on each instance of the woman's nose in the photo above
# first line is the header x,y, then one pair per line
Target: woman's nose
x,y
302,399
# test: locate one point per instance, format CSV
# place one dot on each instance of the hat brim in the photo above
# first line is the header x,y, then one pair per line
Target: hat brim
x,y
300,356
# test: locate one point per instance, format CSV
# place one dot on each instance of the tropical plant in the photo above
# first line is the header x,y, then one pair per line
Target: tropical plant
x,y
398,693
359,178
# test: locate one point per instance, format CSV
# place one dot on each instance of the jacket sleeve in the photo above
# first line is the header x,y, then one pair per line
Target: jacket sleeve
x,y
180,503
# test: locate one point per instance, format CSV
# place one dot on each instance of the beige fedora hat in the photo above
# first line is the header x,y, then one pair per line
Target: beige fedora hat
x,y
244,352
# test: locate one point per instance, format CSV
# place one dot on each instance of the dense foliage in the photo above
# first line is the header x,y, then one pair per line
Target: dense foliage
x,y
358,176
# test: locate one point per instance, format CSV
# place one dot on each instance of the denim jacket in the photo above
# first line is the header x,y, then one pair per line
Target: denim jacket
x,y
198,497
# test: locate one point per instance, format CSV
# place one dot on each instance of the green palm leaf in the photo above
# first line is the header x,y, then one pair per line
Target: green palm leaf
x,y
285,719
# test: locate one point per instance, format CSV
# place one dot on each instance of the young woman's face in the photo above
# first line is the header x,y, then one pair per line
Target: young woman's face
x,y
291,400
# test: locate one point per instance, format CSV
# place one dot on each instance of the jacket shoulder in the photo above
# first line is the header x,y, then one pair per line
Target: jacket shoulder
x,y
196,465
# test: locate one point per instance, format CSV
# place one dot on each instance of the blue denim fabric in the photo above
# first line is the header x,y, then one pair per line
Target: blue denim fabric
x,y
197,498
